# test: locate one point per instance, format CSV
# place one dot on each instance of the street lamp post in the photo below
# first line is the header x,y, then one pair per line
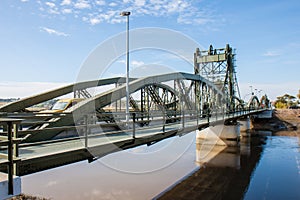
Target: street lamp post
x,y
251,90
125,13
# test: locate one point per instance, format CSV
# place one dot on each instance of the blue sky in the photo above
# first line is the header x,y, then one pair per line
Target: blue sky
x,y
44,43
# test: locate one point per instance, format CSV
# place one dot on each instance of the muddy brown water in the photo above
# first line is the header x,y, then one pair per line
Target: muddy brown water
x,y
263,167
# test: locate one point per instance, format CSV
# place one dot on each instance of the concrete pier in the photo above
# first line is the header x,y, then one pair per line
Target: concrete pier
x,y
225,135
245,126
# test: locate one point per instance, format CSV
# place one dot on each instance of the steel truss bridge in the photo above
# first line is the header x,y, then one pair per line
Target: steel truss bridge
x,y
162,106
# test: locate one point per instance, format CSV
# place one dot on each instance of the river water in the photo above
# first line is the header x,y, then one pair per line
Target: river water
x,y
263,167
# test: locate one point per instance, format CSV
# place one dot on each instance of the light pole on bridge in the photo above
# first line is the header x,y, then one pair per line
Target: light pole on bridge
x,y
251,90
126,13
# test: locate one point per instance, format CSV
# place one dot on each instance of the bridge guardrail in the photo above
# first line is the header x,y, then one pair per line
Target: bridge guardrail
x,y
139,122
11,141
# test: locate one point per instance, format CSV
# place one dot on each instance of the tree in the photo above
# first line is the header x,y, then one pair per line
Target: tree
x,y
298,95
285,101
281,105
280,102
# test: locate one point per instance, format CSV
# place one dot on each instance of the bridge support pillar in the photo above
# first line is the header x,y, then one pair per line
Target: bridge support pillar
x,y
245,126
225,135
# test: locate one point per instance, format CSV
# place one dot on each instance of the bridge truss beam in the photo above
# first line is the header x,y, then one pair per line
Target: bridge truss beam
x,y
217,65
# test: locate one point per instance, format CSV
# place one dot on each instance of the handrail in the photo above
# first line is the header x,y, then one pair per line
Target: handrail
x,y
11,141
136,119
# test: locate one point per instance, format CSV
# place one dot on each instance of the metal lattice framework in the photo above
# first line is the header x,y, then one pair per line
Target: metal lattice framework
x,y
168,95
217,65
211,90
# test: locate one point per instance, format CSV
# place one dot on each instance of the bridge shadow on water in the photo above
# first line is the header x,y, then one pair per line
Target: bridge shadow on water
x,y
224,172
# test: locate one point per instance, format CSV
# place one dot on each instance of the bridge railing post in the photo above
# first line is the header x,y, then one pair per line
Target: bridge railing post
x,y
15,146
164,120
11,125
207,114
86,130
222,110
10,159
133,124
183,119
197,116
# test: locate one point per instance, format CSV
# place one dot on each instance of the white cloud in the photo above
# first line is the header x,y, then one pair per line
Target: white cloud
x,y
54,11
108,16
136,63
24,0
139,2
113,4
95,21
183,12
100,3
67,11
53,32
172,6
271,54
50,4
82,4
66,2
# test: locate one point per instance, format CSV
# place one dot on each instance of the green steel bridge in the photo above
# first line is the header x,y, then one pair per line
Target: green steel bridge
x,y
161,107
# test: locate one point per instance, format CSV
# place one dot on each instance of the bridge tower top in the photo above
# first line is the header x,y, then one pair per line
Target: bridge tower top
x,y
218,66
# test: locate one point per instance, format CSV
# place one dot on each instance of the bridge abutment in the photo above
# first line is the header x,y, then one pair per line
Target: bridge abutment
x,y
224,135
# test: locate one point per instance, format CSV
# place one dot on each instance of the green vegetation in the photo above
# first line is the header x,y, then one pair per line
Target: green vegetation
x,y
287,101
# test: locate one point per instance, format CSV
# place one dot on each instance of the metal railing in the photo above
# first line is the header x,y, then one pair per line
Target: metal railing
x,y
139,123
138,120
11,140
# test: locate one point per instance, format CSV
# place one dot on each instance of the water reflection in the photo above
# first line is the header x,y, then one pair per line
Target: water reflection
x,y
225,173
113,177
262,167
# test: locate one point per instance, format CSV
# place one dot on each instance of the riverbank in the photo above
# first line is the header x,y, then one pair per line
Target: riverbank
x,y
285,122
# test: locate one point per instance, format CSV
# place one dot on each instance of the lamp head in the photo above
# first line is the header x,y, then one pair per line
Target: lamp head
x,y
125,13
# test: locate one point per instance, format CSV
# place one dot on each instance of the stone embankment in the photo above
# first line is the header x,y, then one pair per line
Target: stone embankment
x,y
284,122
